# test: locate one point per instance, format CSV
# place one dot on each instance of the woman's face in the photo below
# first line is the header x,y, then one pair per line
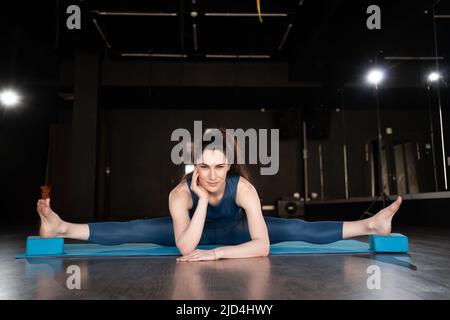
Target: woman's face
x,y
212,170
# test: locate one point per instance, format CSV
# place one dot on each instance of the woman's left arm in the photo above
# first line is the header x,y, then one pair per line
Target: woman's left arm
x,y
246,198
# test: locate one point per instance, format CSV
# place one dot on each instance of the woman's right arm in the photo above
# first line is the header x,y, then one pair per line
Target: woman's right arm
x,y
187,231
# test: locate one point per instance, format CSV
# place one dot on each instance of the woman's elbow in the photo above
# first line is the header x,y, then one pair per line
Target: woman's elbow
x,y
265,250
185,250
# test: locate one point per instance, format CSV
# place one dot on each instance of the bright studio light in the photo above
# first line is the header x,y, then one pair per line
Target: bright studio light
x,y
9,98
375,76
433,77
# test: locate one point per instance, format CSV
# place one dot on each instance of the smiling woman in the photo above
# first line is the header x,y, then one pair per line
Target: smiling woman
x,y
213,166
216,204
233,143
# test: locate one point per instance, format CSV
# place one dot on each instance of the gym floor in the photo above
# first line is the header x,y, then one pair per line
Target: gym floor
x,y
421,274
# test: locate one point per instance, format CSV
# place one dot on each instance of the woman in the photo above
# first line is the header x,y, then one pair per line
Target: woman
x,y
216,204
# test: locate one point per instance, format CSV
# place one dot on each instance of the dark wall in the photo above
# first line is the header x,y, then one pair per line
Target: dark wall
x,y
24,138
142,173
140,182
355,120
360,129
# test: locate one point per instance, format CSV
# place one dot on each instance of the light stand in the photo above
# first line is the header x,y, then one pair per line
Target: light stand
x,y
441,126
1,149
380,149
432,137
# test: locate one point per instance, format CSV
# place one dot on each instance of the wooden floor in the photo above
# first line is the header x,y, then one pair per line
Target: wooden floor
x,y
423,274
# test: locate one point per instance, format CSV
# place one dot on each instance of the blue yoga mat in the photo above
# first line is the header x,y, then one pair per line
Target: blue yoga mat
x,y
144,249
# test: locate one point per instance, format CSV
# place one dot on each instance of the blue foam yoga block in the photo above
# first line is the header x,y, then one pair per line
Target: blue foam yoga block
x,y
44,246
395,242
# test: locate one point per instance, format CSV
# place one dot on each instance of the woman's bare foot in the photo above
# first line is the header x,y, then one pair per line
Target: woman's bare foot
x,y
52,226
381,222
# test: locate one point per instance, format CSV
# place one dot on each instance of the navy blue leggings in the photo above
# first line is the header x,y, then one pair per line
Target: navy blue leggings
x,y
160,231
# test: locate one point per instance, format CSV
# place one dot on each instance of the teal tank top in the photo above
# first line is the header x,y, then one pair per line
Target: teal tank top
x,y
226,210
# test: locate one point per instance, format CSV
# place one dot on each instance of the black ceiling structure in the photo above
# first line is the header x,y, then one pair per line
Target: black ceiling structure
x,y
321,47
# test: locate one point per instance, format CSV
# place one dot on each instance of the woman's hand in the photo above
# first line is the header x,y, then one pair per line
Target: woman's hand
x,y
199,190
199,255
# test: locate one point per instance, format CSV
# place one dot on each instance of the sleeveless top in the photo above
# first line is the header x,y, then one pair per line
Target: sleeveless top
x,y
226,210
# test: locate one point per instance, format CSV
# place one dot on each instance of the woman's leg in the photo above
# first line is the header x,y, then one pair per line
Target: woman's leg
x,y
155,230
330,231
320,232
281,229
378,224
52,226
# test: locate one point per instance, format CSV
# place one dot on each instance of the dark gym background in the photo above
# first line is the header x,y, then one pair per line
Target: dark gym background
x,y
89,110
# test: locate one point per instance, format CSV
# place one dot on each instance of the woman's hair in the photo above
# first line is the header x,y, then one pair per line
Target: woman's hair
x,y
235,168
